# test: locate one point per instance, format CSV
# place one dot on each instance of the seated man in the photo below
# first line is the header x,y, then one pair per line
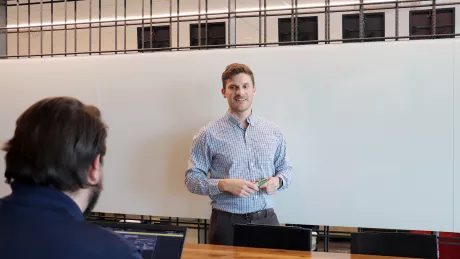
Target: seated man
x,y
54,167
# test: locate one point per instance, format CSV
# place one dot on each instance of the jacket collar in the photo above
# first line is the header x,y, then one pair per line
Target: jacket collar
x,y
45,198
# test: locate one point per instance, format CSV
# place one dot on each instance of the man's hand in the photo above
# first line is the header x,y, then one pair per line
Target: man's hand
x,y
238,187
271,185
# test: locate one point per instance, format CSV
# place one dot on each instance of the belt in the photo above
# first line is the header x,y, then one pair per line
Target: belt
x,y
249,216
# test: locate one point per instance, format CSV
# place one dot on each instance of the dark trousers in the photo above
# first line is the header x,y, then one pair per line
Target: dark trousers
x,y
221,225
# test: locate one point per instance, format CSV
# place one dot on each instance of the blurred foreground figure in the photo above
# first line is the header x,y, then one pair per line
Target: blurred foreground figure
x,y
54,167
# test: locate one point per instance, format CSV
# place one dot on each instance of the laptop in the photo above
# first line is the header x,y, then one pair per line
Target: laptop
x,y
274,237
153,241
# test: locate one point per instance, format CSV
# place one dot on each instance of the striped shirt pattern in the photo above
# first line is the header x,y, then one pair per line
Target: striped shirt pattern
x,y
224,149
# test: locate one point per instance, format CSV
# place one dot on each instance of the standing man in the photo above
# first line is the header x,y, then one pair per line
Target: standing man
x,y
237,151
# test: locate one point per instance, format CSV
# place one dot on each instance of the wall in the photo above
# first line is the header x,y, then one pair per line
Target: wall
x,y
2,24
247,28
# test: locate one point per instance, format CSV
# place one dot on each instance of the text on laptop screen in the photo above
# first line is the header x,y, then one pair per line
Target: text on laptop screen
x,y
154,244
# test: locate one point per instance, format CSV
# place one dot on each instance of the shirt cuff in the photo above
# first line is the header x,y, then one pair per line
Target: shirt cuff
x,y
282,182
214,186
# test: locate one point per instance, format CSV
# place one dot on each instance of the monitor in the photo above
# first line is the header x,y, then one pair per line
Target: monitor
x,y
154,241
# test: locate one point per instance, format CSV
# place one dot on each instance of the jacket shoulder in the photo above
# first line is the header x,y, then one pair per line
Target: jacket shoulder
x,y
108,244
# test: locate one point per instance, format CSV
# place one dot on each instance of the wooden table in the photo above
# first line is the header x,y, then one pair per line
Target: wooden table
x,y
202,251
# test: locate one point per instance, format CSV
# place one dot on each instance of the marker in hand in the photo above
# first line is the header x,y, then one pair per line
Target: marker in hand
x,y
261,182
270,185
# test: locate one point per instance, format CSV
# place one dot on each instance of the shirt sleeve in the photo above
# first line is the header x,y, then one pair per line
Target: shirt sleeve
x,y
128,252
121,248
136,254
283,169
199,164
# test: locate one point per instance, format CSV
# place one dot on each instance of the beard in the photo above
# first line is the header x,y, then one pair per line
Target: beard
x,y
240,106
93,199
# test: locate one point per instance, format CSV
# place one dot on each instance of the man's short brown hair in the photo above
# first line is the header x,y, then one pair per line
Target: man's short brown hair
x,y
54,144
235,69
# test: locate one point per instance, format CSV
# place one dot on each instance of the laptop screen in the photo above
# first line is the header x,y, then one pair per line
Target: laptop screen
x,y
154,241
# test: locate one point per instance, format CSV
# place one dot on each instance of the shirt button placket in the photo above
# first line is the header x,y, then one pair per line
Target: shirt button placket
x,y
251,161
248,146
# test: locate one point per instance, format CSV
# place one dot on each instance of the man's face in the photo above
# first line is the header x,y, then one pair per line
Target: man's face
x,y
239,92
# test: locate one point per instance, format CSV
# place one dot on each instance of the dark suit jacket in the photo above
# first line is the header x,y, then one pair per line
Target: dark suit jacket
x,y
43,223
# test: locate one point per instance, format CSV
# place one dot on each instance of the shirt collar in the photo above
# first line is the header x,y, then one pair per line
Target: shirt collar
x,y
252,119
46,198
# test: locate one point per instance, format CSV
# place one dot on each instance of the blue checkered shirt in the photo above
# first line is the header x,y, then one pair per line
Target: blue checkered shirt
x,y
223,149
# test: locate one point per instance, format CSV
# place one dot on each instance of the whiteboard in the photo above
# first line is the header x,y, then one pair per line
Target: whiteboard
x,y
369,127
456,180
24,82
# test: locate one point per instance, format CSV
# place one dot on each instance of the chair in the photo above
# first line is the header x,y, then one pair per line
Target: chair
x,y
395,244
274,237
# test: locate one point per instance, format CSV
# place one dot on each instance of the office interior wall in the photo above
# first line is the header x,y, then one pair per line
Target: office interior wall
x,y
109,38
2,24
